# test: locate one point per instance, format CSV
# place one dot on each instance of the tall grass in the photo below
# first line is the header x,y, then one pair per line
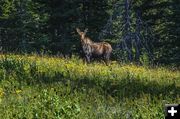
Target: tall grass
x,y
52,87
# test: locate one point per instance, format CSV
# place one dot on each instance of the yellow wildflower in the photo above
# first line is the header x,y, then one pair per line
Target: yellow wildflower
x,y
1,92
18,91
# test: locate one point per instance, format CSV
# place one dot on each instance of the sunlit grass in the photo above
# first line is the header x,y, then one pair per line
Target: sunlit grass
x,y
57,87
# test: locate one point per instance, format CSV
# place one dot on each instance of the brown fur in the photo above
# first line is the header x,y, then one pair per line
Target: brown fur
x,y
91,48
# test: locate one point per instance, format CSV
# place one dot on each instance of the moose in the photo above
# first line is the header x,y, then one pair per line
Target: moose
x,y
91,49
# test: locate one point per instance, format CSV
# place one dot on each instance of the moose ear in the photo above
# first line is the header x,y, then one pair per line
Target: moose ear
x,y
78,30
86,30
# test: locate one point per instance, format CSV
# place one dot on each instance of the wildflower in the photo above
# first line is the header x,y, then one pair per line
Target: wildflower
x,y
18,91
1,92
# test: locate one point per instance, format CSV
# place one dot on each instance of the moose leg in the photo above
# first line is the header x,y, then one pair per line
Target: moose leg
x,y
88,58
106,58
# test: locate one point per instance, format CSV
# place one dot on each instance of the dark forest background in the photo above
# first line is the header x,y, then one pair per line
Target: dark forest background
x,y
48,26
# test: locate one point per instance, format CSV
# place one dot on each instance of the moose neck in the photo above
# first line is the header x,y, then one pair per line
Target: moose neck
x,y
86,40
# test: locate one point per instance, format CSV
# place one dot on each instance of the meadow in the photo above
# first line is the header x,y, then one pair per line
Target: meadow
x,y
34,87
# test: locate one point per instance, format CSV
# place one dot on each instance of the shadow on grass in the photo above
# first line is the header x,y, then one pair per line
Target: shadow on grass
x,y
122,88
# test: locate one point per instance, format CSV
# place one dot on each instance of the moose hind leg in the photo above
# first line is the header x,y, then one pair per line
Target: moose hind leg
x,y
106,58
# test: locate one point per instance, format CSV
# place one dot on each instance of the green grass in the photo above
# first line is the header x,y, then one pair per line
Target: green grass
x,y
45,87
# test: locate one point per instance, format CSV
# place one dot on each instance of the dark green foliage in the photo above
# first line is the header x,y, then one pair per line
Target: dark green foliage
x,y
48,26
163,16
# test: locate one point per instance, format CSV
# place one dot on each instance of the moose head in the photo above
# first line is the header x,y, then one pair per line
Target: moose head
x,y
82,34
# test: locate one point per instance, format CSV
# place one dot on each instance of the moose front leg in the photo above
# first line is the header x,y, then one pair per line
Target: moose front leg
x,y
88,58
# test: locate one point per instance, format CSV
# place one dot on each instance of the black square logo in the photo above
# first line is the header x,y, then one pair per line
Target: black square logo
x,y
172,111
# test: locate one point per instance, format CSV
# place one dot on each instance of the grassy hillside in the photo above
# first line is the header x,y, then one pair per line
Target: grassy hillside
x,y
61,88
